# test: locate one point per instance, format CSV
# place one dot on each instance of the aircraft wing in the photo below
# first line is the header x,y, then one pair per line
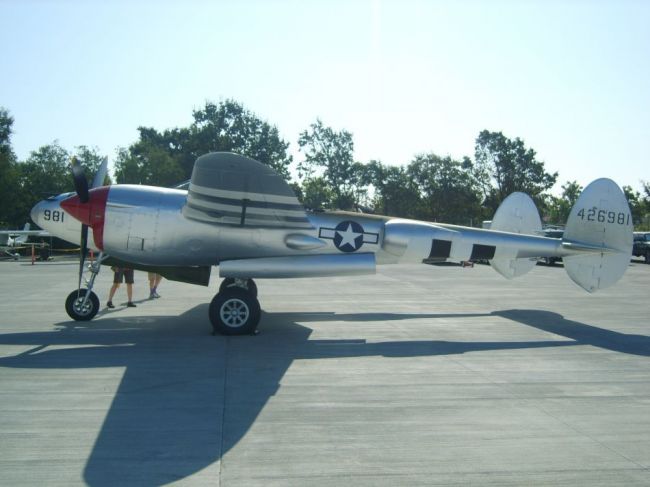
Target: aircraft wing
x,y
29,233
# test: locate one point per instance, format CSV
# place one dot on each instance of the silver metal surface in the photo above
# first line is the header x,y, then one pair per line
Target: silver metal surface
x,y
240,210
299,266
146,225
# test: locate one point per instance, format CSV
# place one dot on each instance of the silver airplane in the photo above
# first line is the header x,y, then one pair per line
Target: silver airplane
x,y
240,215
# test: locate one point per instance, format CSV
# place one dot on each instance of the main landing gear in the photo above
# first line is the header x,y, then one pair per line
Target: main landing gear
x,y
83,304
235,310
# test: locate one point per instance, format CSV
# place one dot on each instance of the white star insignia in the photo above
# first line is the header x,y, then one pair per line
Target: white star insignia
x,y
348,237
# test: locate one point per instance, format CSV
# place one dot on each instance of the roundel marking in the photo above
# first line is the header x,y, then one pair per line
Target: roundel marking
x,y
348,236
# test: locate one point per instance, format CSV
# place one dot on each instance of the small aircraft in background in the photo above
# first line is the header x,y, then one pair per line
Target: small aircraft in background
x,y
12,240
241,215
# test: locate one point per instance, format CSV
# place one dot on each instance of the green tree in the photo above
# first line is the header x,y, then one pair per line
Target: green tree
x,y
503,166
90,159
448,189
8,173
158,157
46,172
330,154
645,202
147,164
228,126
316,193
395,192
558,209
636,202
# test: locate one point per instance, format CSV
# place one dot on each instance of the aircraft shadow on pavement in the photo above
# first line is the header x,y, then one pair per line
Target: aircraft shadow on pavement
x,y
186,398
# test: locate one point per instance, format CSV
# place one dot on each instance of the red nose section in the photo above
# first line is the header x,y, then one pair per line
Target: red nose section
x,y
91,213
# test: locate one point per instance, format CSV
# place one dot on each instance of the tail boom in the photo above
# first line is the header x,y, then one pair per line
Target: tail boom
x,y
596,246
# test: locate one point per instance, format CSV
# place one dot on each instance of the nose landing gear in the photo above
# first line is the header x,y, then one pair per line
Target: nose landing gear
x,y
82,304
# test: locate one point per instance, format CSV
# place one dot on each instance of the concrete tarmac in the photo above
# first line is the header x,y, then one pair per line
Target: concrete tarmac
x,y
419,375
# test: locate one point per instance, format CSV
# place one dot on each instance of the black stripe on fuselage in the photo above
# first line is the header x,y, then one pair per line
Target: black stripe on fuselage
x,y
482,252
440,249
249,214
235,221
249,204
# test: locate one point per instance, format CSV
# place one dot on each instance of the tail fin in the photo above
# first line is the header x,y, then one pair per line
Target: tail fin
x,y
21,239
516,214
600,219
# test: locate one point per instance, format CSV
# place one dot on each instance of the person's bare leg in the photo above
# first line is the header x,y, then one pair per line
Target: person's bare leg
x,y
154,288
111,294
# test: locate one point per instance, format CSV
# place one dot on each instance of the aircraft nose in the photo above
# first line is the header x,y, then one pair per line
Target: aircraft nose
x,y
79,210
36,213
90,213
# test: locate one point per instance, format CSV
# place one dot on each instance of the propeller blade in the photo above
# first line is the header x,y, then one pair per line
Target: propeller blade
x,y
101,174
80,182
82,251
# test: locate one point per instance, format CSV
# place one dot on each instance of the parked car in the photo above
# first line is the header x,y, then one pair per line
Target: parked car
x,y
641,247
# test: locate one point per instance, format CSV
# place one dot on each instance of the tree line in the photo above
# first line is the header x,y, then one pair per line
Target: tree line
x,y
327,176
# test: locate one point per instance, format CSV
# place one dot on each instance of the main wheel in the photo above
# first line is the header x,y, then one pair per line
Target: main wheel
x,y
647,257
77,310
245,284
234,312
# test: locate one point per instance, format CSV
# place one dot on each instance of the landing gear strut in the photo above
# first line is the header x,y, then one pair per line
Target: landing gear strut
x,y
235,310
83,304
246,284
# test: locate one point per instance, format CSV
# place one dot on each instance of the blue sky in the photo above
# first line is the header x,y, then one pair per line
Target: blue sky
x,y
570,78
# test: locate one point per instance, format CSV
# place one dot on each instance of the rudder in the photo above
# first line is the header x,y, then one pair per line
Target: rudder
x,y
600,219
516,214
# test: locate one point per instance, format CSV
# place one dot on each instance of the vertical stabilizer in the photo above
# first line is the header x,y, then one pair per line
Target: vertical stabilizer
x,y
600,218
516,214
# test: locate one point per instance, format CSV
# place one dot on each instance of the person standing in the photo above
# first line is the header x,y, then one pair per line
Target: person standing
x,y
121,274
154,280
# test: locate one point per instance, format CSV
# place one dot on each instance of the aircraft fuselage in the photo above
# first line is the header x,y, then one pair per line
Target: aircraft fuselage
x,y
145,225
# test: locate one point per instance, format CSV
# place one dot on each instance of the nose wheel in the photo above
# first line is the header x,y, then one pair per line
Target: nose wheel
x,y
82,305
235,311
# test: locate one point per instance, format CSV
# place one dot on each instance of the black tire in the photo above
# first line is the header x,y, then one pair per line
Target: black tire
x,y
647,257
234,312
230,283
73,305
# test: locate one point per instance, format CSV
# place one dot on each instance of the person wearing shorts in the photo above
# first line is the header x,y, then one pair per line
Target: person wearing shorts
x,y
121,274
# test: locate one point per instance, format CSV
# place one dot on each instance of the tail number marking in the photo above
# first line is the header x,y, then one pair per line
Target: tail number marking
x,y
594,214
